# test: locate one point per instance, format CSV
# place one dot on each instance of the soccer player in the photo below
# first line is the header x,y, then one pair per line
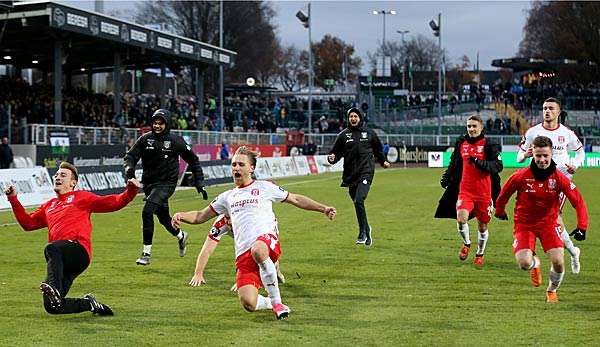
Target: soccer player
x,y
360,147
256,239
471,182
160,151
220,227
69,249
563,141
536,211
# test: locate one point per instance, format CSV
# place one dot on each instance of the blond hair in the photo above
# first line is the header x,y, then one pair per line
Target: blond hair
x,y
252,155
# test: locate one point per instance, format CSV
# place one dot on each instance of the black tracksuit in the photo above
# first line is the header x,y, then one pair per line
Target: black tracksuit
x,y
360,147
160,162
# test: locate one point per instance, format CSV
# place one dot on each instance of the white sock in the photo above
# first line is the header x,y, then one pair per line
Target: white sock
x,y
482,238
569,246
268,276
147,249
180,235
533,263
463,230
555,280
263,303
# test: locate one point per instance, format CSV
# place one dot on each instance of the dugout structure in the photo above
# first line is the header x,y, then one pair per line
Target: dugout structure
x,y
64,40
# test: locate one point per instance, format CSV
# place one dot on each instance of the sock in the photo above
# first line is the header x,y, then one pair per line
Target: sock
x,y
569,246
555,280
463,230
180,235
482,238
533,263
263,303
147,249
268,276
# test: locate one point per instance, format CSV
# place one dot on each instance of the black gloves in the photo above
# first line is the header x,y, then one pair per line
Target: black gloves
x,y
130,172
578,234
200,190
473,160
503,216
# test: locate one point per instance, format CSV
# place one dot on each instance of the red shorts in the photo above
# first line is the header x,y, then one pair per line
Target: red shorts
x,y
481,209
524,238
247,271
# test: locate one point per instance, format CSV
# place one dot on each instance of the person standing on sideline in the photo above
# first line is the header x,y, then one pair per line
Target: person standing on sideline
x,y
471,182
160,150
69,249
563,141
536,214
6,154
257,247
360,147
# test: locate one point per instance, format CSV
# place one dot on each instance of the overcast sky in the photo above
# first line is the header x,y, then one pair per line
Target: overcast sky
x,y
494,28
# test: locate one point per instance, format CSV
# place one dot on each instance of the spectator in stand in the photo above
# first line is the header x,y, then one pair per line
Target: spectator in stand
x,y
224,153
6,154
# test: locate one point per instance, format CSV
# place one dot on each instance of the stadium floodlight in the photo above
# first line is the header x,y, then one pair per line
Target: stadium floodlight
x,y
82,69
7,57
34,61
435,27
306,22
384,13
437,32
303,18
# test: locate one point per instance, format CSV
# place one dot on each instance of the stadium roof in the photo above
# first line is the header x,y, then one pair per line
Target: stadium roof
x,y
538,64
90,40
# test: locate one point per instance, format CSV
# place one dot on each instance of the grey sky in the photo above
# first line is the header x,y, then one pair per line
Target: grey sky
x,y
492,28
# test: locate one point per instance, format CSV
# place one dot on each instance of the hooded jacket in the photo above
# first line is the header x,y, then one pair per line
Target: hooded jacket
x,y
160,156
492,164
360,147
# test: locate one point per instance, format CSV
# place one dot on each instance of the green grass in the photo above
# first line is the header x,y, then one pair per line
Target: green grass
x,y
409,289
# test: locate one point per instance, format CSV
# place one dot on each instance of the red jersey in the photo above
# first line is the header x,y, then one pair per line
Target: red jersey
x,y
537,204
475,183
68,216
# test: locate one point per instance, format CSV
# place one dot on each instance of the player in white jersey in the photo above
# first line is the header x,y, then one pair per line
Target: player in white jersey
x,y
221,227
256,239
563,141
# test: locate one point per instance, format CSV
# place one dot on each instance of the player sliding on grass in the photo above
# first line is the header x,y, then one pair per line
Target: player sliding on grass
x,y
257,246
221,226
536,210
563,141
69,249
471,182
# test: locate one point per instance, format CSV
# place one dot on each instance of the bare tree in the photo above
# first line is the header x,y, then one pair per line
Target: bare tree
x,y
291,68
421,50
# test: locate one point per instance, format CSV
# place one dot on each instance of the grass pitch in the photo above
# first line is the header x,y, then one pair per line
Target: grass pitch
x,y
408,289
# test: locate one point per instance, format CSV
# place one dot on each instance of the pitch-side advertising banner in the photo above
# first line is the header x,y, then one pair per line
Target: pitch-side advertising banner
x,y
509,159
34,185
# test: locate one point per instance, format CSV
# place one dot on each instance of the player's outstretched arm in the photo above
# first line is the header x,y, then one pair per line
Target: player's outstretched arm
x,y
207,249
309,204
115,202
33,221
192,217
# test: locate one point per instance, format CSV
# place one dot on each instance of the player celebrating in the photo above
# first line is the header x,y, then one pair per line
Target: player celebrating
x,y
257,246
536,211
563,140
471,182
69,248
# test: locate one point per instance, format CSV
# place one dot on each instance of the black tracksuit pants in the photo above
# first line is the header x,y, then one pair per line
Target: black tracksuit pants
x,y
157,203
358,194
65,261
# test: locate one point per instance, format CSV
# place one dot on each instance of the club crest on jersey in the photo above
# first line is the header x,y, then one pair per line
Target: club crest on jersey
x,y
254,192
70,199
552,183
479,149
572,185
348,136
167,144
561,139
363,134
151,142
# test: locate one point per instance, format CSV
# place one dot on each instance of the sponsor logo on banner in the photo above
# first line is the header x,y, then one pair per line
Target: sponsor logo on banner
x,y
392,155
312,165
34,185
435,159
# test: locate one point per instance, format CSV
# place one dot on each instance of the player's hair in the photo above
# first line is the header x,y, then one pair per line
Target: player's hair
x,y
542,141
476,118
70,167
554,100
252,155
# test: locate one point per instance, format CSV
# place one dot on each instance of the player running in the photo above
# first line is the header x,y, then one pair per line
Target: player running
x,y
536,211
471,182
563,141
256,239
69,249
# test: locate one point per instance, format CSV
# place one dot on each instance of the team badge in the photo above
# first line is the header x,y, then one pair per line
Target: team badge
x,y
167,144
348,135
552,183
572,186
363,135
561,139
150,142
254,192
479,149
70,199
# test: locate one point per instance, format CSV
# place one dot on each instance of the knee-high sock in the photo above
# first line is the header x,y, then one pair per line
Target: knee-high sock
x,y
569,246
463,230
263,303
555,280
268,276
482,238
